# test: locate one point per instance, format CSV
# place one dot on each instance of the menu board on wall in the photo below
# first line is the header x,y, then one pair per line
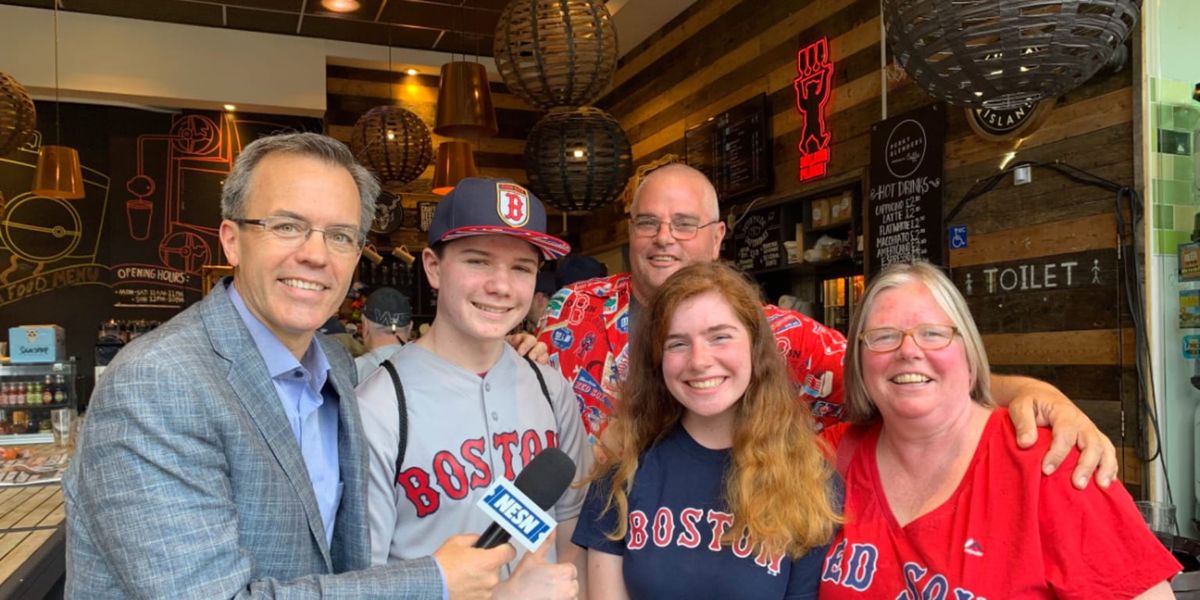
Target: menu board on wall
x,y
758,240
904,217
135,246
734,150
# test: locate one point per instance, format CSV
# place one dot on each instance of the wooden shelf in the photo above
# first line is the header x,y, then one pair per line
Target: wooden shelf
x,y
26,406
839,226
832,267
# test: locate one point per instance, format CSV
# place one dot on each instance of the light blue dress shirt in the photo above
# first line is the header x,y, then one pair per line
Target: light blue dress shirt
x,y
312,415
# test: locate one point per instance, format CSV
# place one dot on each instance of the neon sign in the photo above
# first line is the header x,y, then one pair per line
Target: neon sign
x,y
813,90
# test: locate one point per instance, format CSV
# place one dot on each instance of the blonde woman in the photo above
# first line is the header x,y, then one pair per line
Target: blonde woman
x,y
717,487
940,503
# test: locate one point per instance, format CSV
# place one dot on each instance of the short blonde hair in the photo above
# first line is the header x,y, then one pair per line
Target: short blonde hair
x,y
859,407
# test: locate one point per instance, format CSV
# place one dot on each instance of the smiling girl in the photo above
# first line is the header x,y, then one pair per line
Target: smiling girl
x,y
717,487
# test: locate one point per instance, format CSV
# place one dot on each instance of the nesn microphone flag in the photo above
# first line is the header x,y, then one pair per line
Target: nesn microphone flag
x,y
517,514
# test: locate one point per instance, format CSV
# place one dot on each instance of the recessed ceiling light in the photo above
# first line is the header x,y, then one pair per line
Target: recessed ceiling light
x,y
230,107
411,71
340,6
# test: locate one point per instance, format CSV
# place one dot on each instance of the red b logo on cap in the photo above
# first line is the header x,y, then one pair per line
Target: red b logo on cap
x,y
512,204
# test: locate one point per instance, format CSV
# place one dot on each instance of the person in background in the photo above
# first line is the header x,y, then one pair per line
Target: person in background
x,y
542,290
718,480
940,501
223,455
386,326
675,222
459,408
336,330
577,267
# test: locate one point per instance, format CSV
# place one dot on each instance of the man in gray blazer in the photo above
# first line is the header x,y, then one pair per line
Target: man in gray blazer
x,y
223,454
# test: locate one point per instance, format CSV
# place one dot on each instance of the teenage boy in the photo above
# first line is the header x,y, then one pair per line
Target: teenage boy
x,y
473,408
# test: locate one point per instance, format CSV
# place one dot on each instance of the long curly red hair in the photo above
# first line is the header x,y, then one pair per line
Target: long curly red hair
x,y
778,483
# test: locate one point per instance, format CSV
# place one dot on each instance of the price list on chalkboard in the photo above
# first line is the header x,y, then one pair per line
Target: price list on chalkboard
x,y
734,150
758,240
904,219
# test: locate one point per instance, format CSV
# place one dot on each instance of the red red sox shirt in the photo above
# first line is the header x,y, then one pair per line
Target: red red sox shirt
x,y
1006,532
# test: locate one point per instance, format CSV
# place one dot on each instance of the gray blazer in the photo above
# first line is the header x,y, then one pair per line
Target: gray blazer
x,y
188,482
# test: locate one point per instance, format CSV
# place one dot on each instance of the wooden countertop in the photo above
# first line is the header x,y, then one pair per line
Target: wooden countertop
x,y
32,539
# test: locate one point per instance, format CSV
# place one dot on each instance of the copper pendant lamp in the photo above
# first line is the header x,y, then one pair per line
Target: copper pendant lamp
x,y
58,173
454,162
464,107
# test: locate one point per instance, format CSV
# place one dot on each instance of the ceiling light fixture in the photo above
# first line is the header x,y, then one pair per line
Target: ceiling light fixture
x,y
392,142
58,173
340,6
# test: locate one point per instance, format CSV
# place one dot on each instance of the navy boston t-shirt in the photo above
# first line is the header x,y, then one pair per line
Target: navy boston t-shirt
x,y
677,516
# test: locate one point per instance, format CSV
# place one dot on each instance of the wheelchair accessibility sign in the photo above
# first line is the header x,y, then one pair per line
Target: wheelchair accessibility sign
x,y
958,237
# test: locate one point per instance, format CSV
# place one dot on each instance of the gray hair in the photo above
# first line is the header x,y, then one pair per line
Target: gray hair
x,y
859,407
313,145
682,170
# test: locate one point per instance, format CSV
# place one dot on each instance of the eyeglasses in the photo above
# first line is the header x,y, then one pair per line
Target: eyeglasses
x,y
293,232
927,336
681,229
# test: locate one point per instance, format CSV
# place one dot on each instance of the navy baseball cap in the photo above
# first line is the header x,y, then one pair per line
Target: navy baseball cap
x,y
578,268
481,206
545,283
388,307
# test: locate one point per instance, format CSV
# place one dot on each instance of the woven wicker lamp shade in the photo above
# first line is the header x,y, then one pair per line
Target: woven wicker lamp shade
x,y
556,52
392,142
577,159
1000,54
18,117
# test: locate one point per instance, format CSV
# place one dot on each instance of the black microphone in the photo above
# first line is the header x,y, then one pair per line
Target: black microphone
x,y
543,480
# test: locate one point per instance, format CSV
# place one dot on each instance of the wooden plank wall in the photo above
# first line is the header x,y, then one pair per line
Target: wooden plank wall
x,y
351,92
1071,330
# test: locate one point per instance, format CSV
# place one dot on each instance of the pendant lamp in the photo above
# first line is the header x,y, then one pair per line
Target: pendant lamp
x,y
559,53
1003,54
392,142
454,162
577,159
464,107
58,173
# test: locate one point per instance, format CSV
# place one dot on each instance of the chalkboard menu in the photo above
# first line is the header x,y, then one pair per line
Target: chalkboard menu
x,y
904,218
758,240
734,150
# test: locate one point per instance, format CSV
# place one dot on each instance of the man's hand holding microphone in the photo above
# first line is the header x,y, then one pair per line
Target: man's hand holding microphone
x,y
471,566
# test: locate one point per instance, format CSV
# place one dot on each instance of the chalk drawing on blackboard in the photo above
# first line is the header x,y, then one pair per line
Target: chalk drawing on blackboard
x,y
48,243
199,151
40,229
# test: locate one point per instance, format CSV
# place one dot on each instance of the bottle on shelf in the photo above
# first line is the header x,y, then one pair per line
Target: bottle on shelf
x,y
20,421
60,389
47,391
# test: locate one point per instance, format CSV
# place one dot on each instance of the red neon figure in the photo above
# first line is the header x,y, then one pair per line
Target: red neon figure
x,y
813,88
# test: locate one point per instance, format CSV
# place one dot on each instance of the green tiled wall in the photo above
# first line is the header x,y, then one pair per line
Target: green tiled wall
x,y
1174,196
